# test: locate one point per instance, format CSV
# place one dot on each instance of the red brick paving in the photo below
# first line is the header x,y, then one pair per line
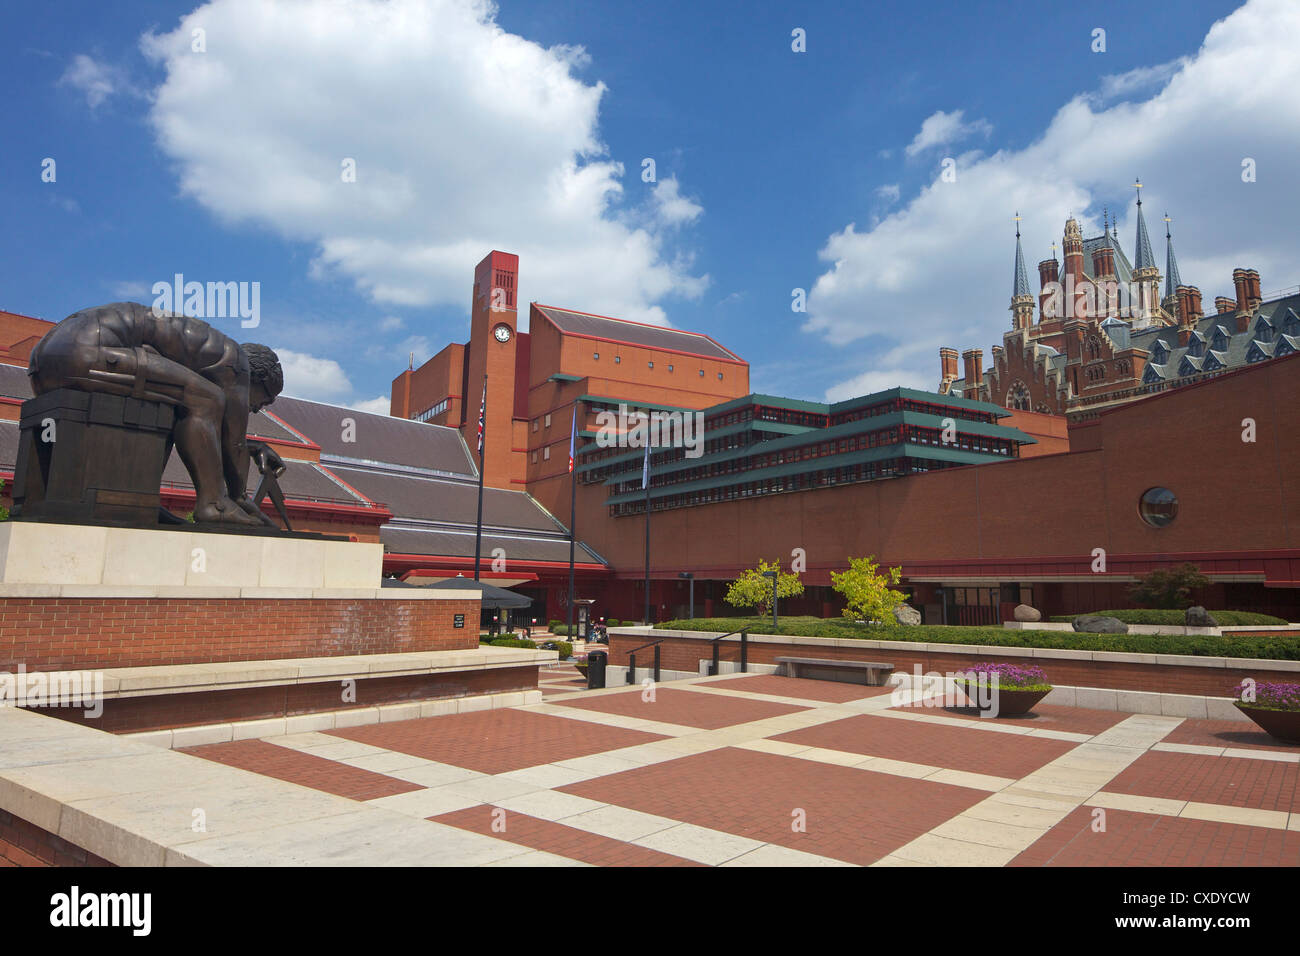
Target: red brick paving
x,y
1075,720
1145,839
271,760
926,742
557,838
685,707
852,815
1227,733
833,692
1231,781
496,741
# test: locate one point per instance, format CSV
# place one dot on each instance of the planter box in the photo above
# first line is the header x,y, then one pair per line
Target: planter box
x,y
1282,724
1009,703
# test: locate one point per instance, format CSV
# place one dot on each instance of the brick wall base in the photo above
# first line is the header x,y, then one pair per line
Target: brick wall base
x,y
83,633
25,844
163,711
680,653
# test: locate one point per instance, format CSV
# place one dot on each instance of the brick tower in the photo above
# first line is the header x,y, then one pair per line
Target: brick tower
x,y
492,344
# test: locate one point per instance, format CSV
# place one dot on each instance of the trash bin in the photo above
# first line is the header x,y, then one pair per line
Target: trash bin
x,y
596,662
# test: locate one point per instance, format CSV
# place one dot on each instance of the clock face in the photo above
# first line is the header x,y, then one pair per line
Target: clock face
x,y
501,333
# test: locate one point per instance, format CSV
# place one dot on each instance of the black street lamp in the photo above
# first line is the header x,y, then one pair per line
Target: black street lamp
x,y
772,575
687,576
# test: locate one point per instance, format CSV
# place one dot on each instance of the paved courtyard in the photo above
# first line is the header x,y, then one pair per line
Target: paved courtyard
x,y
760,770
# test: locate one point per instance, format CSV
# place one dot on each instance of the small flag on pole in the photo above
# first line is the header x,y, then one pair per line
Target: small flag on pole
x,y
482,415
645,469
573,435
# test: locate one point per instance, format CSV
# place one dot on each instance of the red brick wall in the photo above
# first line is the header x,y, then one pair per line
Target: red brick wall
x,y
25,844
59,633
132,714
684,654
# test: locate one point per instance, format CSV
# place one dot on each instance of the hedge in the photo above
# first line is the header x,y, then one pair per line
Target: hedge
x,y
511,642
1283,647
1176,618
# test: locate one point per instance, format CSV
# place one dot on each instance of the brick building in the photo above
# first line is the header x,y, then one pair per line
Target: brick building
x,y
1102,333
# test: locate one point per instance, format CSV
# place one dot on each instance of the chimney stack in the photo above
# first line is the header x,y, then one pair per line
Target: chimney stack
x,y
1253,297
1241,283
1184,294
1049,274
974,359
1223,304
947,364
1194,304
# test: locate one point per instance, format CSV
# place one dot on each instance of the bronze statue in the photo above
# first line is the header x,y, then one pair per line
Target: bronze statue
x,y
212,382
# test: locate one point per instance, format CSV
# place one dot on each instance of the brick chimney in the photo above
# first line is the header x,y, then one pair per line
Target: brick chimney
x,y
1184,294
947,365
1196,312
1253,297
1223,304
1103,262
1241,282
1048,273
1184,335
974,359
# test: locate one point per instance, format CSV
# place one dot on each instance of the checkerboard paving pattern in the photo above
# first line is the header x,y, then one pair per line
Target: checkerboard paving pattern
x,y
757,770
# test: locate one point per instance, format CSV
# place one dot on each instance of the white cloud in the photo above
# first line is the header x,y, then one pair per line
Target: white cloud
x,y
94,80
465,138
130,290
318,379
877,380
671,207
391,322
941,129
1142,78
889,193
376,406
939,269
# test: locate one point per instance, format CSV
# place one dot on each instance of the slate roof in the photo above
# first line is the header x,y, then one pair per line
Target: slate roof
x,y
378,438
459,543
635,333
14,382
1123,269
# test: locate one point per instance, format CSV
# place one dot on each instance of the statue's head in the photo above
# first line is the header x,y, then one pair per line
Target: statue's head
x,y
265,377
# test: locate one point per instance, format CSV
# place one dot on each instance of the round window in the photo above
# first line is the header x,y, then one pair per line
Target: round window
x,y
1158,507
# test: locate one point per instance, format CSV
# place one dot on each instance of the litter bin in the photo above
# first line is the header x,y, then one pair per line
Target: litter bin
x,y
596,662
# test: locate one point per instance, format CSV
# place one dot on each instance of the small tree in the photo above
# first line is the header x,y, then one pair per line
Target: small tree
x,y
1168,587
867,591
751,589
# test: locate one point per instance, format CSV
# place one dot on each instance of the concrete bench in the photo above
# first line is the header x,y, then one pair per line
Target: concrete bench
x,y
872,673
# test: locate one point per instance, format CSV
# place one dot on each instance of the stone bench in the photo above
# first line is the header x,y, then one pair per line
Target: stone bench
x,y
872,673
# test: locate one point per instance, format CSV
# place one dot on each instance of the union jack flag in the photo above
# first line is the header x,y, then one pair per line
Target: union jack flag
x,y
482,415
573,435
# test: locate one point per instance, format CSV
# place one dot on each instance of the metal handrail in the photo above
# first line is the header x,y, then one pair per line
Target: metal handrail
x,y
744,652
631,660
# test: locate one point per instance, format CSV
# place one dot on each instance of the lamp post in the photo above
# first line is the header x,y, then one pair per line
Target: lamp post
x,y
688,576
772,575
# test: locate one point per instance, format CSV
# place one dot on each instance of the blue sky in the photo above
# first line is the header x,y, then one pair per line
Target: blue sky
x,y
523,127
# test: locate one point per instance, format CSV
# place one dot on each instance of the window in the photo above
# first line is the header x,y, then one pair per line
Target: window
x,y
548,419
651,364
534,424
670,368
701,373
1158,507
618,359
719,376
595,356
534,458
546,453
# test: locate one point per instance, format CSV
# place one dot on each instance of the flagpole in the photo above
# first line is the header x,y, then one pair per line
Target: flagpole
x,y
573,510
645,481
478,529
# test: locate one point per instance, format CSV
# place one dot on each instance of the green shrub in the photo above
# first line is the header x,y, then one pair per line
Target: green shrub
x,y
552,625
565,649
561,630
1175,618
511,640
612,622
1168,587
1284,647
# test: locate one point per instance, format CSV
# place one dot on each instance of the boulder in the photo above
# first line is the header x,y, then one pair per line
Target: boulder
x,y
1198,616
906,614
1099,624
1024,612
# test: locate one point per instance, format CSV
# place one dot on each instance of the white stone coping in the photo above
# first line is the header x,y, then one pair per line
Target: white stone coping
x,y
195,592
1173,630
983,650
321,721
134,804
122,682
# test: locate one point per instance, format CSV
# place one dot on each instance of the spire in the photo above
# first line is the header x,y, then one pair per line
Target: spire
x,y
1172,279
1144,258
1022,277
1105,229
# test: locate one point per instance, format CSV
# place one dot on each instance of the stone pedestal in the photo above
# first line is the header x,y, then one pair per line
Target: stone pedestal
x,y
87,456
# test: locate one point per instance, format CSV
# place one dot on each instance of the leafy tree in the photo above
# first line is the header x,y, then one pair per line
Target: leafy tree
x,y
868,591
751,589
1168,587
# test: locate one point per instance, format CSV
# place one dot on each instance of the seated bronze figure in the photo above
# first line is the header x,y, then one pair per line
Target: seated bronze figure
x,y
212,381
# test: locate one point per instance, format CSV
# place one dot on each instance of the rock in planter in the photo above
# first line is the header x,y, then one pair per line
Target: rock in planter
x,y
1099,624
1198,616
1024,612
906,614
